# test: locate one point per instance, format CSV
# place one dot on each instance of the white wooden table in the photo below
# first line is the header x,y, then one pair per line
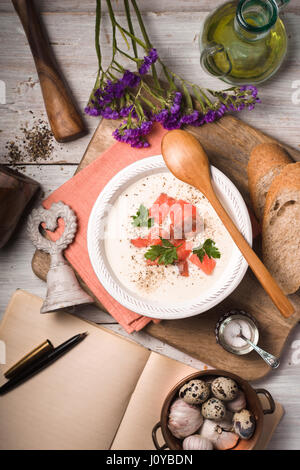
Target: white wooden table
x,y
173,26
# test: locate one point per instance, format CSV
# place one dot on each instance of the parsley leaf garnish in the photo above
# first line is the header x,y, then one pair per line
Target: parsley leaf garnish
x,y
166,253
209,248
141,219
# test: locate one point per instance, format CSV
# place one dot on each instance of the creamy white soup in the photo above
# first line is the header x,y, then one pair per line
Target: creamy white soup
x,y
161,282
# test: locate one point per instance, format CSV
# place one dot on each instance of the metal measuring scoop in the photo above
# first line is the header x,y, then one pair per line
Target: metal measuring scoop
x,y
271,360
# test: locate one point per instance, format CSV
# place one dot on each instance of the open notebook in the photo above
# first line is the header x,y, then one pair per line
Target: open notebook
x,y
106,393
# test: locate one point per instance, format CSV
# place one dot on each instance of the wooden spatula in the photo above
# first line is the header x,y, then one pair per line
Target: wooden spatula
x,y
186,159
64,118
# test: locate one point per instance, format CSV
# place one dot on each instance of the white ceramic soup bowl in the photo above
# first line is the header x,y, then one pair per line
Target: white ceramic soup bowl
x,y
219,290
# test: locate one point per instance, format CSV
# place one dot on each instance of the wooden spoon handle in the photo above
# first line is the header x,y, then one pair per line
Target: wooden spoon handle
x,y
65,121
263,275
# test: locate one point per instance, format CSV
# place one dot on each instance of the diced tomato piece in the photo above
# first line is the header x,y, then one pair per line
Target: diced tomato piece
x,y
183,251
183,268
140,242
185,219
161,208
152,263
207,265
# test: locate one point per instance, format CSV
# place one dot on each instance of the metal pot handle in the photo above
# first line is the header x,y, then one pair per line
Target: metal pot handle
x,y
154,438
269,398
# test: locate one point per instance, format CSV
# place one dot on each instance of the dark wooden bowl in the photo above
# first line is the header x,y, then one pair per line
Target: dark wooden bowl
x,y
253,405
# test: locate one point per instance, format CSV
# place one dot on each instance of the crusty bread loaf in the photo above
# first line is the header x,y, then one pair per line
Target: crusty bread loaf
x,y
266,161
281,228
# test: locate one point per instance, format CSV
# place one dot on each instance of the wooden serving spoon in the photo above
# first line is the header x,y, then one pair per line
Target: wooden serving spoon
x,y
187,160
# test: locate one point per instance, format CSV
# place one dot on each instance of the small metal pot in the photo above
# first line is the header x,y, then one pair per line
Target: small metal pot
x,y
253,405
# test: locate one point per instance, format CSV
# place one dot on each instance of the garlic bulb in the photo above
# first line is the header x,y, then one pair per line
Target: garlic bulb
x,y
238,403
197,442
218,435
184,419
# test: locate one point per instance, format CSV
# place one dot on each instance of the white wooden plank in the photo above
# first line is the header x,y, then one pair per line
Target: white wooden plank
x,y
176,38
144,5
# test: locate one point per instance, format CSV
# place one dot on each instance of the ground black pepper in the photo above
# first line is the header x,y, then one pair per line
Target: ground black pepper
x,y
33,144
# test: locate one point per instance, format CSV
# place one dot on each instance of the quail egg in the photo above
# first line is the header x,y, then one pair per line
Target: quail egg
x,y
214,409
195,392
224,388
244,424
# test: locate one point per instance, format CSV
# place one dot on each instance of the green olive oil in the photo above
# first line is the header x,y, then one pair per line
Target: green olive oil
x,y
243,55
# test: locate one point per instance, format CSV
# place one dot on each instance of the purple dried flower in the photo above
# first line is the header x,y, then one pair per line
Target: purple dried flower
x,y
124,112
177,97
175,108
162,115
210,116
221,110
109,113
251,88
173,122
92,111
130,79
149,59
134,135
190,118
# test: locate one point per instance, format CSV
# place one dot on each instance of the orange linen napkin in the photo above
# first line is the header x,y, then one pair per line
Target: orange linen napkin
x,y
80,193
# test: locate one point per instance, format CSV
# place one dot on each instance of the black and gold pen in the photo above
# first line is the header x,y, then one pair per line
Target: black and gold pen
x,y
42,363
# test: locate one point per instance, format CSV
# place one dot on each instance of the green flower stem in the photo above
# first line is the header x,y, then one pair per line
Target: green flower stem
x,y
199,99
97,34
207,100
187,96
127,55
141,43
111,75
141,24
123,35
147,40
168,76
148,103
153,93
130,26
118,66
112,20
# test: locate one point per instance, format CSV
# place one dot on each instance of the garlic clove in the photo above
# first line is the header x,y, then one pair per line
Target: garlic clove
x,y
184,419
238,403
219,436
209,430
227,440
197,442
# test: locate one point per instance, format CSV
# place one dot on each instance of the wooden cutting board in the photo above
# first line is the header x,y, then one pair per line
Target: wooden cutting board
x,y
228,143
